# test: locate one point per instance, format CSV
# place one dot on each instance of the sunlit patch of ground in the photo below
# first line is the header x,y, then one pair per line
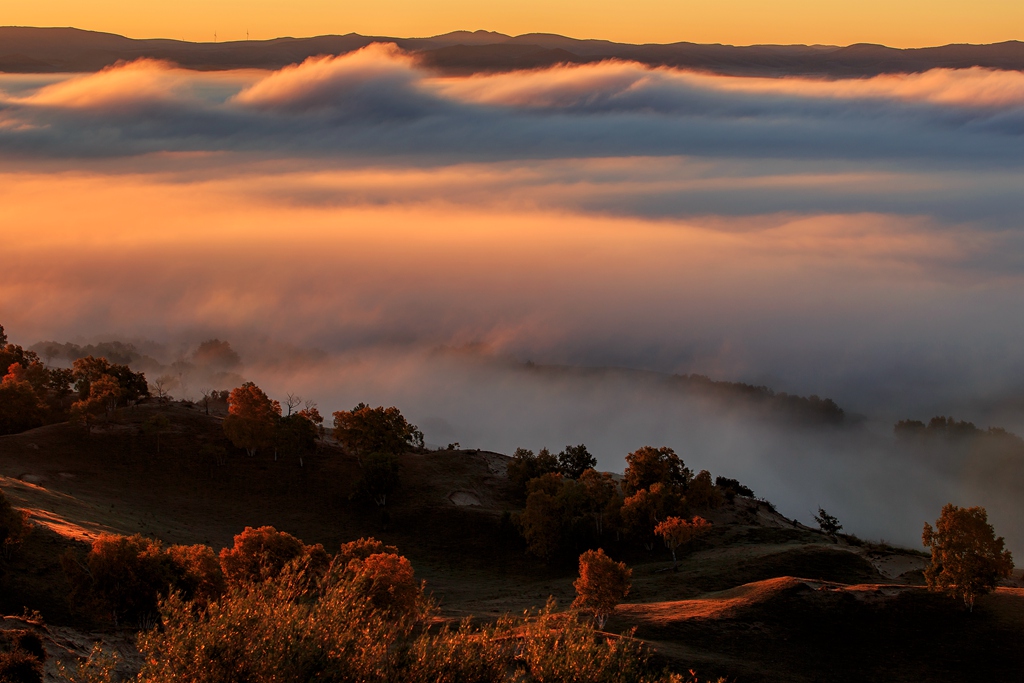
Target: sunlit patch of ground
x,y
59,512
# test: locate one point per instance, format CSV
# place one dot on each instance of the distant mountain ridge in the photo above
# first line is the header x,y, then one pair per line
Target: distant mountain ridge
x,y
52,50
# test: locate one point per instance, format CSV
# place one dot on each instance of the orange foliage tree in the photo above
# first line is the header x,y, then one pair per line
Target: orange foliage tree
x,y
364,430
647,466
967,558
20,407
602,584
252,418
677,532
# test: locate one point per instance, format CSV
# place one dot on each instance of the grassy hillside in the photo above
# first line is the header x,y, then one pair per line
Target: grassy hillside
x,y
759,599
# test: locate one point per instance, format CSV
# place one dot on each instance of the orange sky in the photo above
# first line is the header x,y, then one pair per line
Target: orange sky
x,y
900,23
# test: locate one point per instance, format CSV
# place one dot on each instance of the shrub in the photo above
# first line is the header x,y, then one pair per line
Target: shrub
x,y
265,632
121,578
259,554
198,574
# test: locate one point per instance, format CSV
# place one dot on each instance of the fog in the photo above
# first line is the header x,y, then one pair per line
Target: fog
x,y
347,222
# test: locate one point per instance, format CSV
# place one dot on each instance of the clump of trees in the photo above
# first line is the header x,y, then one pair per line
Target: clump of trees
x,y
967,558
255,423
32,394
566,512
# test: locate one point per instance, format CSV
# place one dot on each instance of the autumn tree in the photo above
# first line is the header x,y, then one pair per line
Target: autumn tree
x,y
642,511
541,520
967,557
602,497
525,466
575,460
647,466
677,532
252,418
216,355
702,494
364,430
296,436
602,584
20,408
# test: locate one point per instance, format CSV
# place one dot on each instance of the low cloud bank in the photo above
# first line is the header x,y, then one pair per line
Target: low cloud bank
x,y
855,239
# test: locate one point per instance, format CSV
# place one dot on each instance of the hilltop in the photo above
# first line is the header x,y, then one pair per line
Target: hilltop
x,y
763,598
50,50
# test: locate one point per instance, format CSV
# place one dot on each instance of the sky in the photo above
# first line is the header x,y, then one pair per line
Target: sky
x,y
363,230
898,23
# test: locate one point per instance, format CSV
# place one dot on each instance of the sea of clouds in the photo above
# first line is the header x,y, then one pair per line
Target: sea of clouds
x,y
341,220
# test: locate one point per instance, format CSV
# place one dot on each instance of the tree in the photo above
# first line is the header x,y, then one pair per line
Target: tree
x,y
158,424
967,558
676,532
601,493
217,355
602,584
648,465
642,511
20,408
828,524
252,418
525,466
380,477
364,430
296,436
575,460
701,494
541,520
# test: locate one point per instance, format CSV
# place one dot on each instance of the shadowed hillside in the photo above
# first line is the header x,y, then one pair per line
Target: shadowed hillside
x,y
761,598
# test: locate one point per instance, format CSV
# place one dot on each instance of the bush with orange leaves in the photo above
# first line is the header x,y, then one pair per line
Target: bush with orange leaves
x,y
677,532
123,578
259,554
602,584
